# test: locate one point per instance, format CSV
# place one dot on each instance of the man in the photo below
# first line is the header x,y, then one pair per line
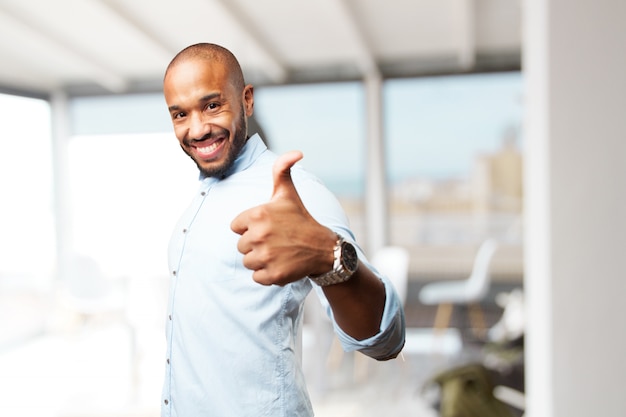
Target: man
x,y
246,253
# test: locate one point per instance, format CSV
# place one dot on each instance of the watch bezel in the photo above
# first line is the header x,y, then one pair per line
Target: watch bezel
x,y
349,257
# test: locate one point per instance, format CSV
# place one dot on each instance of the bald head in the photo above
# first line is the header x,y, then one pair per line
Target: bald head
x,y
211,53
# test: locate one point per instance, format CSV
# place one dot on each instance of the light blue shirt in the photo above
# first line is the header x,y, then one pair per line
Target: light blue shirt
x,y
231,342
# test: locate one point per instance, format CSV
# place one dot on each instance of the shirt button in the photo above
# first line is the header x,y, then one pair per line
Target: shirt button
x,y
203,193
170,317
184,230
174,273
168,361
166,402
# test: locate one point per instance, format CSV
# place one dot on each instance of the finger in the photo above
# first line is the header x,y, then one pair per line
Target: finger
x,y
259,270
243,245
283,184
260,276
240,223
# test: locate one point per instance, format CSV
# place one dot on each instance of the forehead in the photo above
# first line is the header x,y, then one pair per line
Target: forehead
x,y
195,77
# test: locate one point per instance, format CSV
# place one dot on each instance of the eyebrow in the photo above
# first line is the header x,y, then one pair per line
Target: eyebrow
x,y
202,99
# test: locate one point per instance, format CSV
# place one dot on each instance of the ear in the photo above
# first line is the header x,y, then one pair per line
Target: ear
x,y
248,99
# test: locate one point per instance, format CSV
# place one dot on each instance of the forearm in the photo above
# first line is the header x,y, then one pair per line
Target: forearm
x,y
358,304
365,308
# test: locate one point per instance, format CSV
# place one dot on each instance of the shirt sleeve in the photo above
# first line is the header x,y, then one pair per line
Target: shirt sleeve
x,y
389,340
325,208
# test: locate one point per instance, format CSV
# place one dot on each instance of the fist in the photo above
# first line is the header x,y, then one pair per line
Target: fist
x,y
280,240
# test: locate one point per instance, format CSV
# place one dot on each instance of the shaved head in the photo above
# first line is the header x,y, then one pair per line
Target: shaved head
x,y
211,53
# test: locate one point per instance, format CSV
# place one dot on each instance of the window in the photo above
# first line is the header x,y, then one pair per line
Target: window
x,y
454,158
325,123
27,233
27,242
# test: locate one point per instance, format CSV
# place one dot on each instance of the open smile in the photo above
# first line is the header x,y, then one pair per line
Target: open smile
x,y
208,149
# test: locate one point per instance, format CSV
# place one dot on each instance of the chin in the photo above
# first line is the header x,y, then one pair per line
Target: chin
x,y
215,168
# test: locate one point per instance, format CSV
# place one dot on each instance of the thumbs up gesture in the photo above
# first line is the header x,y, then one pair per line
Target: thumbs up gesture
x,y
280,240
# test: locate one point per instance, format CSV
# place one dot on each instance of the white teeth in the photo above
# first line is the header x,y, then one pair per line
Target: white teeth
x,y
208,149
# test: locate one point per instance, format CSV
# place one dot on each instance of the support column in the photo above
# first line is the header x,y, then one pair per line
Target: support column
x,y
60,121
376,209
575,238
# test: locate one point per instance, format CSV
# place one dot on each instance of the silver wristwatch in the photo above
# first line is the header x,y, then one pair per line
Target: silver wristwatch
x,y
345,264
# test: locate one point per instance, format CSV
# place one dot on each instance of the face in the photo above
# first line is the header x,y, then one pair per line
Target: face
x,y
208,114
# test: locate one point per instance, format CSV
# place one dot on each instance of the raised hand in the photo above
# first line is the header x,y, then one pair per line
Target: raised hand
x,y
280,240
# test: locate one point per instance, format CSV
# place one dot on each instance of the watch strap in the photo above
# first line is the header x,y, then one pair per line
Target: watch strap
x,y
338,274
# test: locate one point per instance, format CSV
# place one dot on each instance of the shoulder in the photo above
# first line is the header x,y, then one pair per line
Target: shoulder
x,y
319,201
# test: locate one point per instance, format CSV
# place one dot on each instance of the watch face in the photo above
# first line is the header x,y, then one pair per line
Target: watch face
x,y
349,257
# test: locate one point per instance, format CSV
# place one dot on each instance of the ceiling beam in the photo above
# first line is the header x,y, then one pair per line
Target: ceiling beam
x,y
366,61
126,19
99,72
277,72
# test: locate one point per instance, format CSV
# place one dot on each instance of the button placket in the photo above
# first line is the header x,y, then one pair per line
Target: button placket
x,y
174,275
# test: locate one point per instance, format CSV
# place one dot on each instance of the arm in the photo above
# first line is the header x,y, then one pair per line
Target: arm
x,y
358,304
282,243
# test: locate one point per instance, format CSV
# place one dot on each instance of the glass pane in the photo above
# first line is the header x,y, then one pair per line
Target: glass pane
x,y
325,122
26,188
454,155
27,240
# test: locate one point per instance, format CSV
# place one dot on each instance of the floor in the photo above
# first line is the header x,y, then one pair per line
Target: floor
x,y
363,387
83,369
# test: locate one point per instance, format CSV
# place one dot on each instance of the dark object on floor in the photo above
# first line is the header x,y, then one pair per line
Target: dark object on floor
x,y
467,391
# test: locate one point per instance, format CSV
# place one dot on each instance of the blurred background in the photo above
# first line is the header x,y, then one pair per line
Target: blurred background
x,y
481,167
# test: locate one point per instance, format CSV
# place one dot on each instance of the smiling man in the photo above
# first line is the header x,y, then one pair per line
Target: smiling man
x,y
259,234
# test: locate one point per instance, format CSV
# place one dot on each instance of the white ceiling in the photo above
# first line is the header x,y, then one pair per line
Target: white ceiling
x,y
117,46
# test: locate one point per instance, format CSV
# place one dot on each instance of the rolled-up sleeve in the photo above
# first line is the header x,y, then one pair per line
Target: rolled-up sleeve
x,y
327,210
389,341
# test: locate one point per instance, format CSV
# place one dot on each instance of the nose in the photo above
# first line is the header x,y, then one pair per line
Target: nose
x,y
198,128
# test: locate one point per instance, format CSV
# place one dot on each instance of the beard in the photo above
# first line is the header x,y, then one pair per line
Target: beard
x,y
239,140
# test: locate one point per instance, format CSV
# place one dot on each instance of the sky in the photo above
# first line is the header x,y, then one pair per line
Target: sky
x,y
433,127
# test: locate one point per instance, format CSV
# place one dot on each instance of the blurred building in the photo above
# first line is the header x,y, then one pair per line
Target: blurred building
x,y
497,178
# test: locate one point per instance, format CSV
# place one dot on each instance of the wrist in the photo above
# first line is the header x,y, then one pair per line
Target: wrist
x,y
325,254
344,264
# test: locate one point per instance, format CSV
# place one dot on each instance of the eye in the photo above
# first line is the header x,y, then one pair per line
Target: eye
x,y
178,115
212,106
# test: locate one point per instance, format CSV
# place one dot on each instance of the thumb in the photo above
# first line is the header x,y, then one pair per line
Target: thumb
x,y
283,184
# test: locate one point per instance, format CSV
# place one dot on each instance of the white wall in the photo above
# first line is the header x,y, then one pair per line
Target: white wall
x,y
575,69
